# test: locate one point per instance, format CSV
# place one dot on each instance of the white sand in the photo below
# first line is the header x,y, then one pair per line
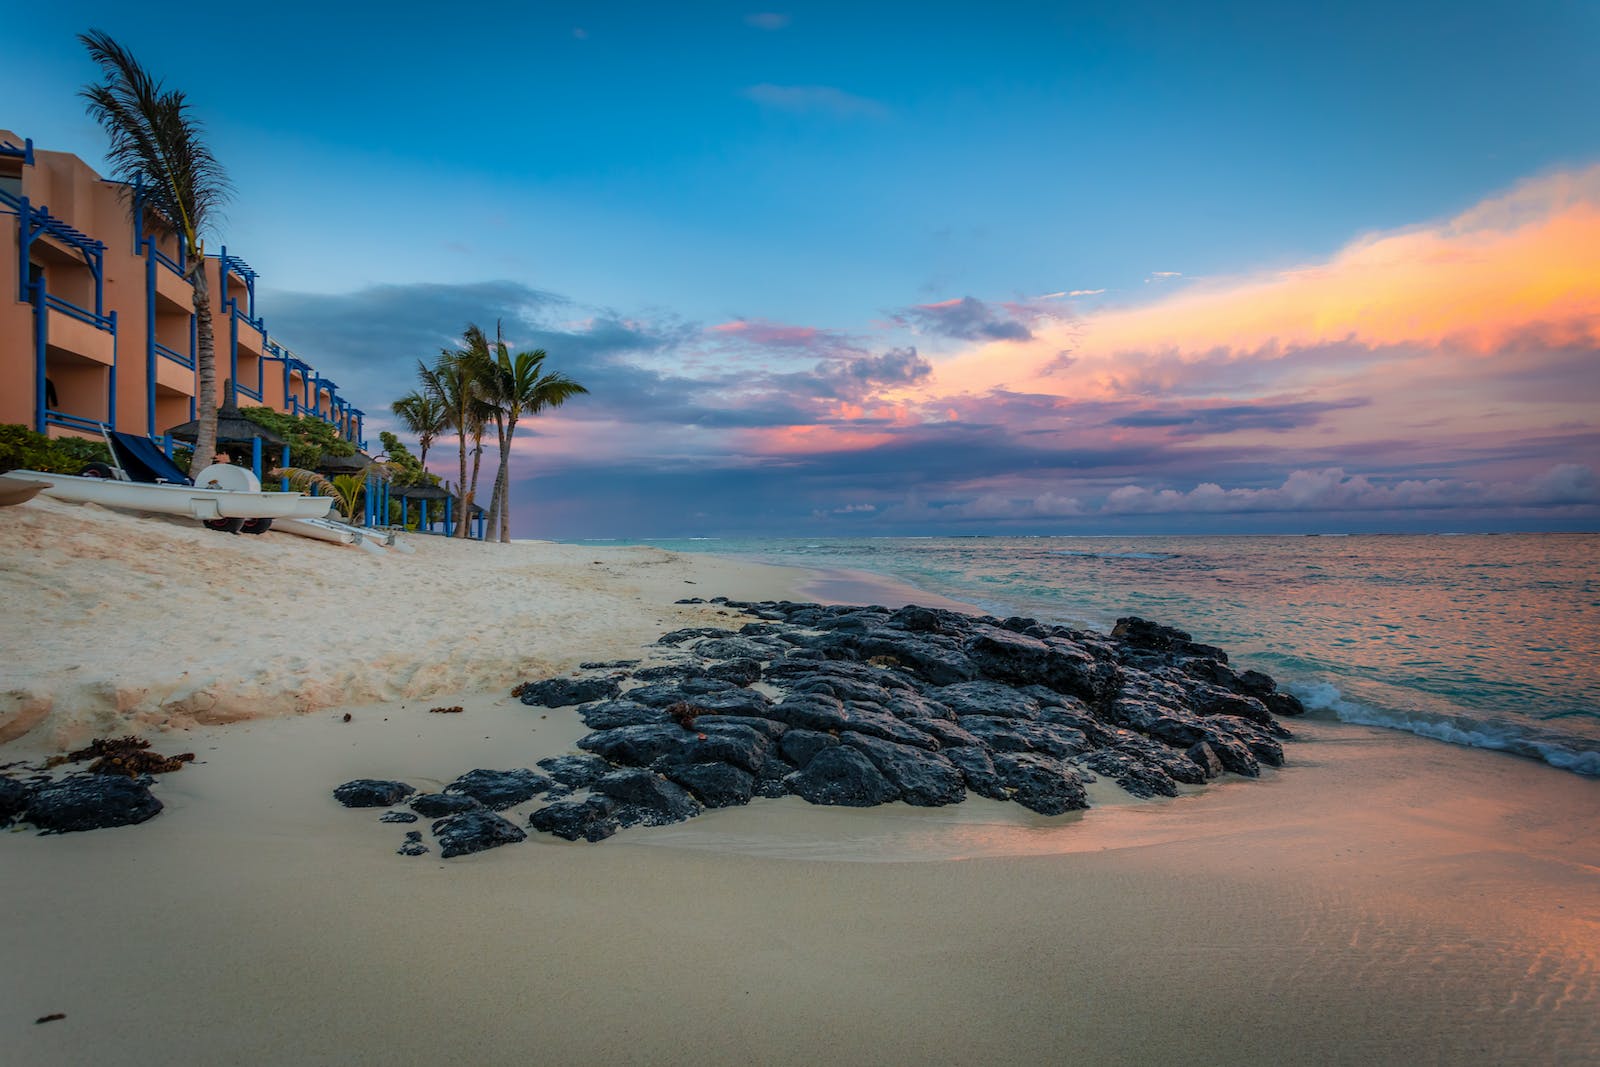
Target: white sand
x,y
113,620
1384,899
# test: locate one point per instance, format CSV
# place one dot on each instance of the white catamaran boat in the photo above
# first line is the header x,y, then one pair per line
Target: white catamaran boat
x,y
144,478
197,501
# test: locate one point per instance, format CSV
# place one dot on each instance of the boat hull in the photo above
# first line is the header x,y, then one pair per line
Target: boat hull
x,y
180,499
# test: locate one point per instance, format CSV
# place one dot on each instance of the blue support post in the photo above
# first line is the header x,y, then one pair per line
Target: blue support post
x,y
166,444
284,485
255,457
149,245
422,523
41,339
449,504
111,395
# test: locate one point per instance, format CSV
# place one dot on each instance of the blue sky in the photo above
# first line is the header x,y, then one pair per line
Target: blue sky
x,y
714,214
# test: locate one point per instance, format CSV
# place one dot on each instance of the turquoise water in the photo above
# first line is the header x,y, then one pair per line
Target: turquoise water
x,y
1484,640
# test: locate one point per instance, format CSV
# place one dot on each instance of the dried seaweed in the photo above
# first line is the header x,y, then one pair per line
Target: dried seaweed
x,y
455,709
684,713
128,756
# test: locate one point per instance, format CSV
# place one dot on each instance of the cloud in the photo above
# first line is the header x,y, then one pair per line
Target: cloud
x,y
764,334
1213,418
1162,275
767,20
898,366
966,318
1333,490
1086,292
815,99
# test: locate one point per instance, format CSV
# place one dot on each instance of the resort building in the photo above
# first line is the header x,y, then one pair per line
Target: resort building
x,y
97,321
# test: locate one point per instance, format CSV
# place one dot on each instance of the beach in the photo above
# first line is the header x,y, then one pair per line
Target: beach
x,y
1381,898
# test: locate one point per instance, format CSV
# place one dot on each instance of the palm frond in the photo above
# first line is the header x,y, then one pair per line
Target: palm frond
x,y
156,143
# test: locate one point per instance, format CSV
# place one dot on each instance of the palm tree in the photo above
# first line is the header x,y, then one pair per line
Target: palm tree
x,y
518,385
422,414
156,148
456,382
345,489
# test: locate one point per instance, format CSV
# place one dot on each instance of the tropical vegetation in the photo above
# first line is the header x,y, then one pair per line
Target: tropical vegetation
x,y
470,388
345,489
310,438
24,449
158,151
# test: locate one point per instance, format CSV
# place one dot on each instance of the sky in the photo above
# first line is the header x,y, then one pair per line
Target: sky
x,y
861,270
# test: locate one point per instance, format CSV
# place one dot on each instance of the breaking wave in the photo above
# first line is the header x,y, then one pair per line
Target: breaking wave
x,y
1567,752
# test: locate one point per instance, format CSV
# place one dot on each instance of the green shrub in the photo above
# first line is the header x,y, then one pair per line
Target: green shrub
x,y
309,437
21,448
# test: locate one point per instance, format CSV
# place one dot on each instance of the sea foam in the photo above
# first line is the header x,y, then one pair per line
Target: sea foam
x,y
1565,752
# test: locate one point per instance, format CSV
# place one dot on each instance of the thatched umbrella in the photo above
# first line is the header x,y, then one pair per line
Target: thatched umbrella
x,y
332,465
233,427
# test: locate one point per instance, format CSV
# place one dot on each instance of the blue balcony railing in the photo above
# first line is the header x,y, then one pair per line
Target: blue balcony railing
x,y
174,355
99,322
72,422
24,151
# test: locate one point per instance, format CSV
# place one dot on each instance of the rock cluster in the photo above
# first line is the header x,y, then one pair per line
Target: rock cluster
x,y
862,705
115,791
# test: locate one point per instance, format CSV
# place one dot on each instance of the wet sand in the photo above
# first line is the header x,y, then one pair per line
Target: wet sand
x,y
1382,899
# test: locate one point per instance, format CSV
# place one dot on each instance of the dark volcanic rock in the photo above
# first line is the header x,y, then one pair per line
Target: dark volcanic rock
x,y
1132,774
591,819
1010,735
716,785
842,775
398,816
977,767
733,648
1055,663
561,692
498,790
987,698
678,637
413,845
438,805
737,671
769,779
577,771
13,799
91,802
824,713
1205,759
610,714
771,729
371,793
799,745
948,734
925,779
1045,785
644,797
475,831
641,746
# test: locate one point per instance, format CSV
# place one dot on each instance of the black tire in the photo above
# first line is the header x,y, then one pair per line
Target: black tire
x,y
256,526
232,526
97,470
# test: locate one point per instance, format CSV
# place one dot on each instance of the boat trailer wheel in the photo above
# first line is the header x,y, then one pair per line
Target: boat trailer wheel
x,y
232,526
256,526
97,470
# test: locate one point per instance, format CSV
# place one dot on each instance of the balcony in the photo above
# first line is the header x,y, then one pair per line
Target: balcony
x,y
76,331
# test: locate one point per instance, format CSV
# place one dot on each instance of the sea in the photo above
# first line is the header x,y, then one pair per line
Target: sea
x,y
1486,640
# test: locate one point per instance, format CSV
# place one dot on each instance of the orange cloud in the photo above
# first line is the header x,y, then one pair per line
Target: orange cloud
x,y
1522,265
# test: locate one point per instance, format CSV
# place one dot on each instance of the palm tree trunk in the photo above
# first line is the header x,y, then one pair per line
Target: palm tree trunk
x,y
461,486
472,490
505,485
205,362
496,504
